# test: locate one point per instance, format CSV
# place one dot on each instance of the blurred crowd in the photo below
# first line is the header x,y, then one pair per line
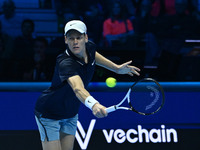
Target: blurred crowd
x,y
158,27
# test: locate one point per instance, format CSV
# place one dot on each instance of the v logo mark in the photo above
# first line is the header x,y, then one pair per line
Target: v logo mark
x,y
86,137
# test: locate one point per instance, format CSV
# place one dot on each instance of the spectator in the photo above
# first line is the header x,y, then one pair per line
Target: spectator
x,y
45,4
10,20
2,49
72,7
169,7
23,49
128,6
163,7
145,26
40,70
94,19
117,29
68,10
6,63
176,29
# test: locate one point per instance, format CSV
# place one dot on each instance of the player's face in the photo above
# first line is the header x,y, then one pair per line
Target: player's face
x,y
76,42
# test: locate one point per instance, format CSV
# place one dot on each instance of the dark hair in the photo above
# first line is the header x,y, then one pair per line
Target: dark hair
x,y
9,3
30,22
123,12
43,40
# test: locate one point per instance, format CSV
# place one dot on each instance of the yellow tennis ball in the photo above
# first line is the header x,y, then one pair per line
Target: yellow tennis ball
x,y
111,82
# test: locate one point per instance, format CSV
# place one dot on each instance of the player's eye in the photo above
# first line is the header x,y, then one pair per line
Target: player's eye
x,y
75,38
71,38
79,37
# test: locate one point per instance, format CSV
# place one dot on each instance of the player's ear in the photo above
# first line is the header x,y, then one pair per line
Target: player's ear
x,y
66,40
86,38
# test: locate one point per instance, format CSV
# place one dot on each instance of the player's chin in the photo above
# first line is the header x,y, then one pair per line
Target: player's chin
x,y
76,51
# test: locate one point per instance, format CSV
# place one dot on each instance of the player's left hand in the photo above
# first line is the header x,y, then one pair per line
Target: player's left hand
x,y
125,68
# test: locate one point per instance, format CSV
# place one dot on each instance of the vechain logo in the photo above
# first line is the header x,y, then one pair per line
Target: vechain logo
x,y
85,136
140,135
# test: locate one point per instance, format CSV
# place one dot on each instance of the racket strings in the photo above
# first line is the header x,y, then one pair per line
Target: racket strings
x,y
156,98
146,97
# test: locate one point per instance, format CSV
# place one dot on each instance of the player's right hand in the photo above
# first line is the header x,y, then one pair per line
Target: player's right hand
x,y
99,111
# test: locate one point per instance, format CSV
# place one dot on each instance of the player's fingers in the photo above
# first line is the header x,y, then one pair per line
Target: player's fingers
x,y
104,112
100,113
96,114
132,72
136,68
135,72
129,73
127,63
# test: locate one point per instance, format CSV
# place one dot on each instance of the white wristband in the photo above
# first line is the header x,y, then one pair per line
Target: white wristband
x,y
90,101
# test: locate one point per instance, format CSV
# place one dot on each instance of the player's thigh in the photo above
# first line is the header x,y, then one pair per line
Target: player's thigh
x,y
51,145
67,141
67,132
49,129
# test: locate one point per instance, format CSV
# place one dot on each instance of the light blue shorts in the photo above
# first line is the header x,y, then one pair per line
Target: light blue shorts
x,y
50,129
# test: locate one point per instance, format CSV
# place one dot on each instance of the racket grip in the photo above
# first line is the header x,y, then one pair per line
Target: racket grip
x,y
110,109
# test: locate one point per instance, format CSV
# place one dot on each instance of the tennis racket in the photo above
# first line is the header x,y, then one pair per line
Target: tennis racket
x,y
145,97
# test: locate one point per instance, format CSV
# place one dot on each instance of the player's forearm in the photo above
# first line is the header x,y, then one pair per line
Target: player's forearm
x,y
106,63
81,94
84,96
78,87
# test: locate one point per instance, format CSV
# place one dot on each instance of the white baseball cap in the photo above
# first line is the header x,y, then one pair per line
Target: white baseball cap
x,y
75,25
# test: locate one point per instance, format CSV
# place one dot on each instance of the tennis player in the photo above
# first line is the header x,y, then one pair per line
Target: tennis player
x,y
57,107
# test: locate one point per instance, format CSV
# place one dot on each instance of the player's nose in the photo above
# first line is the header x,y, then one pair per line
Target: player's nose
x,y
75,41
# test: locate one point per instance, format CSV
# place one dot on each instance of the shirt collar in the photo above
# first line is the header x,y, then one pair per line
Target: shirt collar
x,y
69,53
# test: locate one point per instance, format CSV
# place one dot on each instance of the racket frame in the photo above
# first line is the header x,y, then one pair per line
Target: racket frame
x,y
115,107
127,97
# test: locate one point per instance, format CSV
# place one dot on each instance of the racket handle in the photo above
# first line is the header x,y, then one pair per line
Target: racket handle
x,y
110,109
